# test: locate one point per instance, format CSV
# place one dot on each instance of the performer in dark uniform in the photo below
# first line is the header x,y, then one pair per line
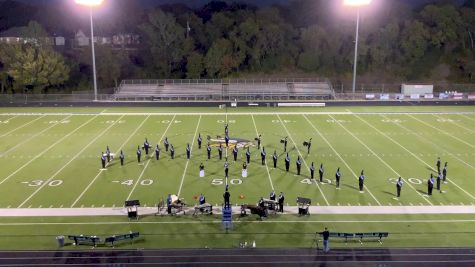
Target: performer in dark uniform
x,y
199,141
299,164
226,168
208,149
169,204
220,151
337,177
172,151
122,157
226,140
272,195
430,185
281,202
146,146
312,171
439,179
262,205
444,172
227,196
438,164
103,160
287,163
235,152
108,153
263,156
274,158
166,144
139,153
202,199
361,181
309,145
259,142
285,144
157,152
188,152
320,172
226,128
399,186
248,155
202,170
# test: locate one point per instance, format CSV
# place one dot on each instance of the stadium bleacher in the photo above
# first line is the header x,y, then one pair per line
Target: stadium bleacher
x,y
209,90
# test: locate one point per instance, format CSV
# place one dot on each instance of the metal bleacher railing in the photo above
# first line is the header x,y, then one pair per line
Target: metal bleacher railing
x,y
225,89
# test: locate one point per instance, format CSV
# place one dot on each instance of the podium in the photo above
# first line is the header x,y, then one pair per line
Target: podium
x,y
132,209
227,219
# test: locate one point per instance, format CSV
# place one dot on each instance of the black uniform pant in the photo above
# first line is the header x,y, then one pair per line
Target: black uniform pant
x,y
337,182
361,185
281,206
146,150
438,184
103,164
209,155
444,177
138,158
248,159
263,161
398,191
429,190
311,174
226,203
187,154
108,158
122,162
169,209
157,156
321,177
226,172
275,164
298,170
287,166
235,156
199,145
166,148
220,155
173,155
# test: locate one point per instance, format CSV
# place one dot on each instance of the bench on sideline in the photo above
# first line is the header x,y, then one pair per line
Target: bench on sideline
x,y
379,235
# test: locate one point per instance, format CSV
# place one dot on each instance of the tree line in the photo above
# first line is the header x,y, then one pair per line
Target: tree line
x,y
432,42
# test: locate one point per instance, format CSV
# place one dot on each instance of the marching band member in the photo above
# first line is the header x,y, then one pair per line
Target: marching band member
x,y
399,186
202,170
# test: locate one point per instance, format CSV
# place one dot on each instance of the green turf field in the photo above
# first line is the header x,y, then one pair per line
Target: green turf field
x,y
51,159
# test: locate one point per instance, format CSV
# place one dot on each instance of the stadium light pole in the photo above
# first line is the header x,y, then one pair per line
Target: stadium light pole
x,y
91,4
358,4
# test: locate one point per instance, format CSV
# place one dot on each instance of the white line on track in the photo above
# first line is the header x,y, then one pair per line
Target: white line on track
x,y
69,162
33,136
47,149
151,157
219,221
384,162
414,155
117,152
338,154
296,147
21,126
188,160
441,131
231,113
267,168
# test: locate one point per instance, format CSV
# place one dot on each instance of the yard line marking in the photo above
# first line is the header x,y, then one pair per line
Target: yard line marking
x,y
47,149
117,152
467,117
455,137
188,160
33,136
19,127
384,162
65,165
303,159
267,168
456,124
338,154
426,140
151,157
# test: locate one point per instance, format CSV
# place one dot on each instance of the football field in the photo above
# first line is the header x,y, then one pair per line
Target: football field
x,y
50,158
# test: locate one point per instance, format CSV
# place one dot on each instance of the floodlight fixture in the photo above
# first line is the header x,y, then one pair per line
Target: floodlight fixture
x,y
356,2
90,3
